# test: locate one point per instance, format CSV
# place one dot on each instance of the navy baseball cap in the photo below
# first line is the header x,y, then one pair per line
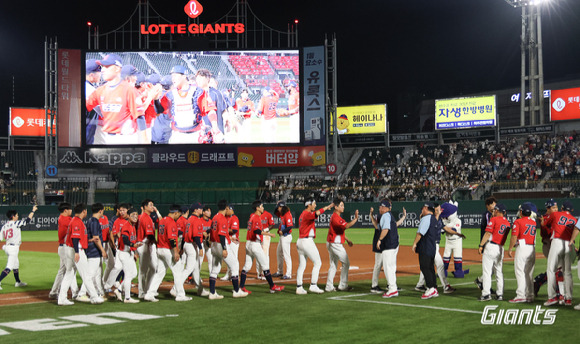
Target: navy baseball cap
x,y
280,204
448,209
567,205
500,207
111,59
550,203
231,206
429,205
166,81
195,206
178,69
128,70
184,209
154,79
529,206
92,66
140,78
385,203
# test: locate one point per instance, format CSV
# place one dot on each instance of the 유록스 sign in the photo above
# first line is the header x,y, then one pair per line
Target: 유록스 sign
x,y
28,122
281,156
565,104
464,113
365,119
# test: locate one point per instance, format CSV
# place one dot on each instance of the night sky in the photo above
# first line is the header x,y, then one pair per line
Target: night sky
x,y
397,52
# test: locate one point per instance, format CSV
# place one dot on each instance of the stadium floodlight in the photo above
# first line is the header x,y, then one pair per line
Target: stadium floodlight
x,y
524,3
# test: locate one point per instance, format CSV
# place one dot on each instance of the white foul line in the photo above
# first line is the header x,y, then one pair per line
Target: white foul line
x,y
345,298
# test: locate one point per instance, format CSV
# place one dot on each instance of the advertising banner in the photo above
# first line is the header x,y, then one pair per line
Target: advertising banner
x,y
314,95
565,104
69,98
365,119
464,113
281,156
28,122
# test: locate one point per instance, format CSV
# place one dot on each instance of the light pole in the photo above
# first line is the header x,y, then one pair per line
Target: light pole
x,y
531,50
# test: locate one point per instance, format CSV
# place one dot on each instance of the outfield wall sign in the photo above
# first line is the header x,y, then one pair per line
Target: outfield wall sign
x,y
465,113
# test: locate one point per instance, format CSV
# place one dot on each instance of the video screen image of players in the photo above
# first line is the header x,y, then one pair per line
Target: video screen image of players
x,y
209,97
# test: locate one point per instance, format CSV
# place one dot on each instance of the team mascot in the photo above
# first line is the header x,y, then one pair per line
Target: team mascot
x,y
453,243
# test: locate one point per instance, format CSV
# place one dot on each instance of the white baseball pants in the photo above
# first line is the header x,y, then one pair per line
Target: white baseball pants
x,y
524,263
560,252
283,255
492,261
336,253
307,250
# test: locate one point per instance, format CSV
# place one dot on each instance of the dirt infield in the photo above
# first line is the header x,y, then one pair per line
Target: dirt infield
x,y
361,261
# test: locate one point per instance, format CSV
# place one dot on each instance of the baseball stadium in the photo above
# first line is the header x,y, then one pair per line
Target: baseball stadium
x,y
192,179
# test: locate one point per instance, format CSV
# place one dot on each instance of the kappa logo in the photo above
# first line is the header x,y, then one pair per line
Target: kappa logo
x,y
537,316
193,9
111,159
18,121
74,321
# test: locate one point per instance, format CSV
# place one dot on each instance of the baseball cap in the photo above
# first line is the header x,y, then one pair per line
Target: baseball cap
x,y
567,205
429,205
195,206
343,117
231,206
500,207
184,209
385,203
550,203
154,78
128,70
111,59
92,66
529,206
140,78
166,81
206,207
292,84
178,69
448,209
280,204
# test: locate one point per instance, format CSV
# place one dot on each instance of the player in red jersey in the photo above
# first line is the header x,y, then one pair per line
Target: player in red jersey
x,y
148,252
285,235
293,100
561,224
545,233
205,235
335,246
267,225
244,105
306,246
168,254
220,244
496,232
524,236
234,228
127,245
193,247
268,104
122,122
254,250
209,104
64,219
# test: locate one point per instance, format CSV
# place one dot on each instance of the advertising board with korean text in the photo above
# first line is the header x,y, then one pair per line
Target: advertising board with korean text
x,y
465,113
364,119
29,122
565,104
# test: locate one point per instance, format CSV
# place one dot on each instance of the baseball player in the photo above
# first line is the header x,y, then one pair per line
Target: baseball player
x,y
210,106
388,245
285,235
193,248
562,225
334,244
267,111
114,275
546,234
293,100
524,237
148,251
453,239
375,289
220,242
490,203
307,248
65,210
424,245
497,232
254,248
127,245
92,79
11,233
234,228
122,122
168,254
206,225
161,129
267,225
244,105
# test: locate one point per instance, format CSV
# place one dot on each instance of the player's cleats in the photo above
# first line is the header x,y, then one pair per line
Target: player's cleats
x,y
276,288
448,289
430,293
485,298
53,296
118,294
245,290
277,274
577,307
301,291
215,296
516,300
202,292
261,277
240,293
65,303
182,298
551,302
314,289
286,277
97,300
225,278
388,295
499,298
567,303
150,298
347,288
478,283
83,298
20,284
376,290
130,300
329,290
173,292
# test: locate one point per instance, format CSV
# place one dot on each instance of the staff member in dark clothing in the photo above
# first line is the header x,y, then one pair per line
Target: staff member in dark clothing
x,y
425,246
490,203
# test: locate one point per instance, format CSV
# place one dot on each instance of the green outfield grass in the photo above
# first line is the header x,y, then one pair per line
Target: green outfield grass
x,y
354,317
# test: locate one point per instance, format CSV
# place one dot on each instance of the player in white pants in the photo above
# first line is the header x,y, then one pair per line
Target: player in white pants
x,y
193,247
453,239
524,236
285,240
234,228
12,234
148,251
65,210
334,244
267,225
307,248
